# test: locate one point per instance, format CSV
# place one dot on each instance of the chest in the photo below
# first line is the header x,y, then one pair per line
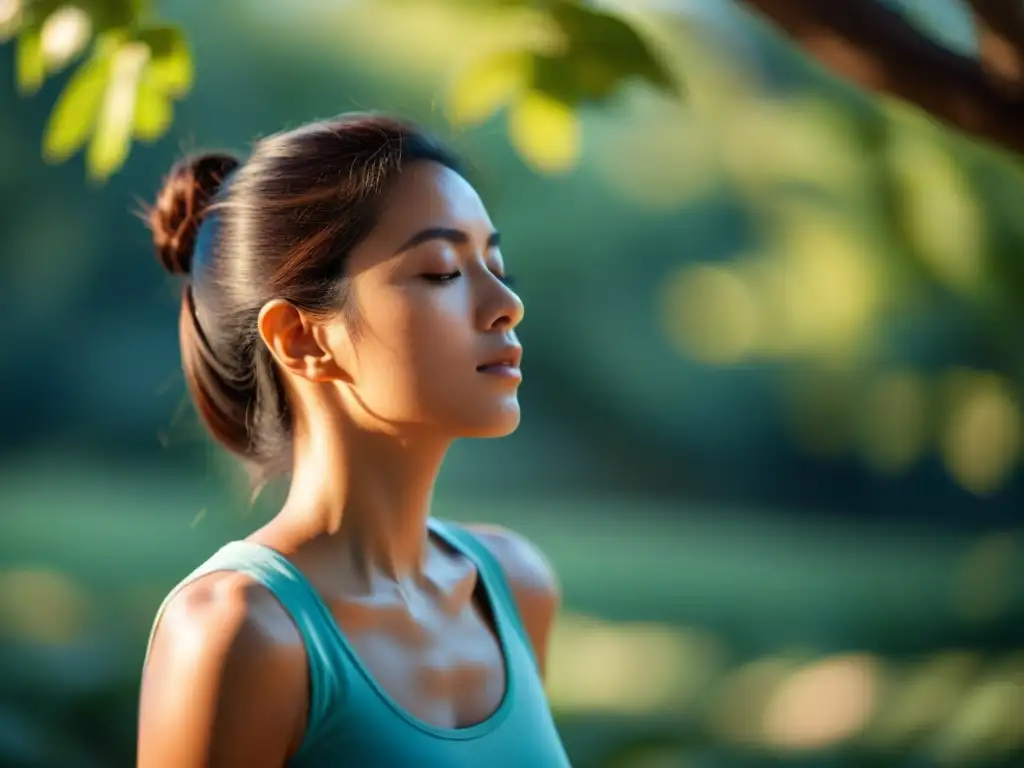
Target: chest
x,y
448,671
456,699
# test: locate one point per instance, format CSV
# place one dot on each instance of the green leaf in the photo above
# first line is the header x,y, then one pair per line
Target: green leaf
x,y
110,42
577,76
124,91
170,65
603,50
154,111
112,138
114,14
545,131
487,86
162,39
30,63
75,114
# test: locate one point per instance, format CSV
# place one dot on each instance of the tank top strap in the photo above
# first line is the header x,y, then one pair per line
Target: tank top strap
x,y
490,570
313,619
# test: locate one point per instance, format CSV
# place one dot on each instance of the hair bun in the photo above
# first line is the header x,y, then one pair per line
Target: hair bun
x,y
180,207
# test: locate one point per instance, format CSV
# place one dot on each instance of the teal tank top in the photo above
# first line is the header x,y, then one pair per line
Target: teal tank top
x,y
353,722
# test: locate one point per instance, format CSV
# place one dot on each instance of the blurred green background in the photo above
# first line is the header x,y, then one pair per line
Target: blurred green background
x,y
773,431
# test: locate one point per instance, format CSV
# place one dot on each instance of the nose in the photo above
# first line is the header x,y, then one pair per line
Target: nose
x,y
503,309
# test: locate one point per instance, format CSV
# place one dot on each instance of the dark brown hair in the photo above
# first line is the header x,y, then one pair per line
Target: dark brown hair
x,y
281,227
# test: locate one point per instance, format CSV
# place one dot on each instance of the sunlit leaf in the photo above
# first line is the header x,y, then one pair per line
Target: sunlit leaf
x,y
170,64
154,112
112,137
545,131
30,62
487,86
77,109
12,16
64,35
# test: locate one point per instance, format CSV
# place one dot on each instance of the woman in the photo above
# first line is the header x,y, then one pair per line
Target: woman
x,y
346,317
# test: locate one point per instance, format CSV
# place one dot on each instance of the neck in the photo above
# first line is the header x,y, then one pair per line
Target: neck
x,y
363,492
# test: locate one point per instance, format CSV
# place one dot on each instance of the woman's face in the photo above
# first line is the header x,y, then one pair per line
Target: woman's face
x,y
430,339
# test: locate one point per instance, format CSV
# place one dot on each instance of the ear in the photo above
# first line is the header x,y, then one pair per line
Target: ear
x,y
298,342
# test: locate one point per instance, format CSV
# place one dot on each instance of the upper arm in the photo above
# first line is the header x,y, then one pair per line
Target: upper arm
x,y
532,580
224,685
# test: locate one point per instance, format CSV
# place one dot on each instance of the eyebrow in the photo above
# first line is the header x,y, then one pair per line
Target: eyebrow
x,y
454,236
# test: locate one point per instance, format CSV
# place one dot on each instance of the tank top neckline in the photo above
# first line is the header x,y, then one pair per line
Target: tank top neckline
x,y
502,630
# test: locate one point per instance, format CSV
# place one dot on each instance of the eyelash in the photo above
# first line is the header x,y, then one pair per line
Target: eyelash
x,y
447,277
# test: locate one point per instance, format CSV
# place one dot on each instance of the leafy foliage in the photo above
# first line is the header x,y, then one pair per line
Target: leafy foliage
x,y
596,53
135,68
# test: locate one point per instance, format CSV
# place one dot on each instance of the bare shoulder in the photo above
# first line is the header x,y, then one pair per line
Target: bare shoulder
x,y
531,577
225,681
226,615
525,566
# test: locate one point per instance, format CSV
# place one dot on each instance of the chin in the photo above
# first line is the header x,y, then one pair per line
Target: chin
x,y
507,428
499,423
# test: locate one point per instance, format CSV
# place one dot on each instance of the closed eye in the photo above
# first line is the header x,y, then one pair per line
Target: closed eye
x,y
447,277
441,277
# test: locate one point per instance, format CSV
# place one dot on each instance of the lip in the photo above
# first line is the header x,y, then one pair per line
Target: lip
x,y
506,362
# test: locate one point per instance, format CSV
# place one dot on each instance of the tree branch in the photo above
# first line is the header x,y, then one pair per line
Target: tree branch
x,y
1000,33
874,47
